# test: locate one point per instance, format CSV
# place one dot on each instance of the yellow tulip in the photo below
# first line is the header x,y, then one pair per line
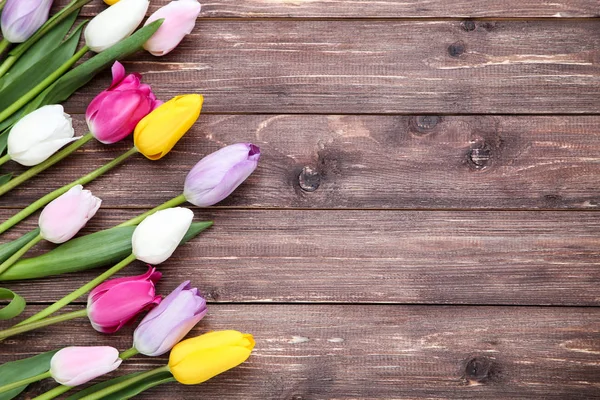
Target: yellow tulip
x,y
111,2
157,133
198,359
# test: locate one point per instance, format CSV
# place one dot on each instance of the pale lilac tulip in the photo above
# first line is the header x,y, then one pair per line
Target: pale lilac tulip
x,y
115,302
168,323
115,112
21,18
217,175
179,20
66,215
73,366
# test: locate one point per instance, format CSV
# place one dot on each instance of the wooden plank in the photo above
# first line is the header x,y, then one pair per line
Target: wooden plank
x,y
332,161
382,9
375,352
521,258
382,67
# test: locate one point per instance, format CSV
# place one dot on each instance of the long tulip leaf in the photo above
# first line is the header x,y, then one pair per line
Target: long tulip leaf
x,y
15,306
10,248
5,178
129,391
98,249
15,371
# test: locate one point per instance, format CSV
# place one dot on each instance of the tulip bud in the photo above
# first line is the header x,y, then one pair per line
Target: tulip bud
x,y
39,134
160,130
198,359
115,24
73,366
168,323
20,19
66,215
157,236
115,112
115,302
179,20
217,175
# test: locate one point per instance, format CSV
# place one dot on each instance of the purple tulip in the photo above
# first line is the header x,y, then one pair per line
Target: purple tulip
x,y
20,19
168,323
217,175
115,112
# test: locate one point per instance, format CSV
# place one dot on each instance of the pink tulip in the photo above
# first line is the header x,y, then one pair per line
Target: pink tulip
x,y
66,215
73,366
115,112
179,20
115,302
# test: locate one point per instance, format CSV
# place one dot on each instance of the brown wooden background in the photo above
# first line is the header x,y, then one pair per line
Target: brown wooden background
x,y
424,219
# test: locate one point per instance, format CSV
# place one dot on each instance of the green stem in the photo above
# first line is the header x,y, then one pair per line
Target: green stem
x,y
5,158
4,45
27,97
128,353
5,66
15,330
122,385
15,257
36,205
33,171
2,3
174,202
24,382
41,316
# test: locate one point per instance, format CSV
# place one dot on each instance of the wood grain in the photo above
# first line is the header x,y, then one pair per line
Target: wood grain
x,y
382,9
505,258
381,67
332,161
375,352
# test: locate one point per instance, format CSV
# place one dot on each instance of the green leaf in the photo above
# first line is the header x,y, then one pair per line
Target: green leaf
x,y
98,249
5,178
14,307
19,85
10,248
15,371
128,392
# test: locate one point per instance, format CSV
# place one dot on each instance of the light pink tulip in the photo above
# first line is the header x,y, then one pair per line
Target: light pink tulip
x,y
179,20
66,215
73,366
115,302
115,112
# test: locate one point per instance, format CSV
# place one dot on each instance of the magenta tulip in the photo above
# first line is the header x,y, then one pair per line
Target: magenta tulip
x,y
168,323
66,215
21,18
217,175
73,366
115,112
179,20
115,302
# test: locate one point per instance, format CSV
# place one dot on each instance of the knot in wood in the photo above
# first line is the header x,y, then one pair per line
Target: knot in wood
x,y
480,157
309,179
478,369
456,49
468,25
427,122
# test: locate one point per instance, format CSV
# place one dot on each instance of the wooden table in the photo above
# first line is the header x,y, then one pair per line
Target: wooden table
x,y
424,220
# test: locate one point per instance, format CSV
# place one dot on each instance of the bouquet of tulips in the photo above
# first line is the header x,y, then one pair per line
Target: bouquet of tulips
x,y
38,72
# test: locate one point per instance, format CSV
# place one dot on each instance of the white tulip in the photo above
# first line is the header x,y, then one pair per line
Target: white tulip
x,y
40,134
115,24
157,236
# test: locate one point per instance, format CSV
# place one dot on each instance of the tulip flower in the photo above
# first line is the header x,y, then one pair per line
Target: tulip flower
x,y
21,18
115,302
115,112
217,175
73,366
39,134
168,323
160,130
198,359
66,215
157,236
179,20
115,24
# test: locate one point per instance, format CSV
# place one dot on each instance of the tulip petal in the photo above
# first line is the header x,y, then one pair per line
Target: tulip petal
x,y
201,365
74,366
179,20
118,74
151,275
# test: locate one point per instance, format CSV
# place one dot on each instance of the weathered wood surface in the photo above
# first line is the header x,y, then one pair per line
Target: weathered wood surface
x,y
362,66
382,9
526,258
380,352
332,161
